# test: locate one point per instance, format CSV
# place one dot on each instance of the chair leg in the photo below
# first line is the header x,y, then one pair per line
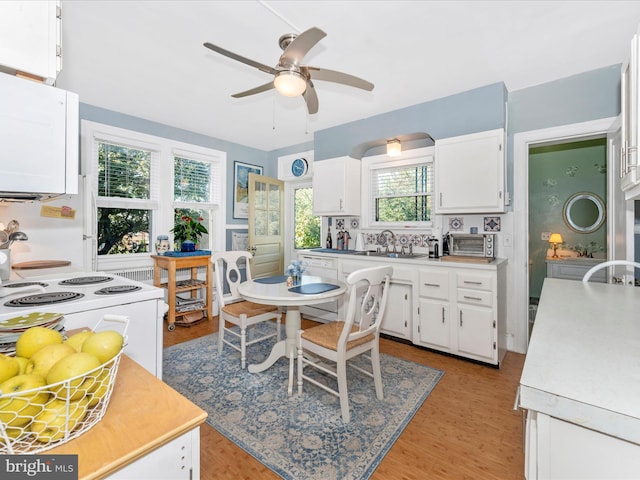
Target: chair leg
x,y
278,325
342,390
377,374
243,346
220,333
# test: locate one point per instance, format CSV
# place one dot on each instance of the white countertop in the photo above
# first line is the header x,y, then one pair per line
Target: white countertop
x,y
583,362
421,261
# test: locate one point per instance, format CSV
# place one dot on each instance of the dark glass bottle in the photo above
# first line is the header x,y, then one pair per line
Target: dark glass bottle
x,y
329,243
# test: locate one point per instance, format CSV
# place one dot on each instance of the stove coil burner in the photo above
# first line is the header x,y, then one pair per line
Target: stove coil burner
x,y
85,280
25,284
118,289
40,299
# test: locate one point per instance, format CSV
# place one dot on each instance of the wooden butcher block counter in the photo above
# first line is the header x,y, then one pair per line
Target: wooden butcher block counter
x,y
149,431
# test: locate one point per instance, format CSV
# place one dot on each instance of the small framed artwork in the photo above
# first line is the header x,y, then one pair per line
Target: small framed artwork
x,y
241,173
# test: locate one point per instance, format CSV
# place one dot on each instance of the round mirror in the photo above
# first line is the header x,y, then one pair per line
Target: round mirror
x,y
584,212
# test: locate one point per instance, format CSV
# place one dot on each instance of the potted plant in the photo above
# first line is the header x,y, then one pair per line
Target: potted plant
x,y
187,232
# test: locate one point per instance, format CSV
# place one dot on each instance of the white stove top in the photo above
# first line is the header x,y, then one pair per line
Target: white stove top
x,y
89,299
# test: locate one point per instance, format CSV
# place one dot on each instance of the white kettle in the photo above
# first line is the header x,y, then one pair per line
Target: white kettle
x,y
359,242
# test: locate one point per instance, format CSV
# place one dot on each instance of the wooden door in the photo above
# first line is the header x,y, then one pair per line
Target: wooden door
x,y
266,225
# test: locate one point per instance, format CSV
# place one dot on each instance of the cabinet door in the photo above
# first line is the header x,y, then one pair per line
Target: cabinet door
x,y
469,172
336,187
397,316
434,328
29,38
630,109
476,332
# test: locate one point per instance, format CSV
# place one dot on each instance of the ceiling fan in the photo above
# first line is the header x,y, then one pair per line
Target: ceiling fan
x,y
290,77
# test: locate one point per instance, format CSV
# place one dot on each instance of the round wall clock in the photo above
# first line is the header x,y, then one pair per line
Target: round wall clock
x,y
299,167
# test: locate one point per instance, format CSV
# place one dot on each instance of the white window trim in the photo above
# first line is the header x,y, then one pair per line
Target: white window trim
x,y
162,217
409,157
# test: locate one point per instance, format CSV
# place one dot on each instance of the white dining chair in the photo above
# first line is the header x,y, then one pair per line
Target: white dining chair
x,y
609,263
342,340
234,309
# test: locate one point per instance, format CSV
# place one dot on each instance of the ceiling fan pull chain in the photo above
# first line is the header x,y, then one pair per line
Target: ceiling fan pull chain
x,y
273,114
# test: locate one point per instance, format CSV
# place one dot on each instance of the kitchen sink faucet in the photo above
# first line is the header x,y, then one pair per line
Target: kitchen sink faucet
x,y
393,237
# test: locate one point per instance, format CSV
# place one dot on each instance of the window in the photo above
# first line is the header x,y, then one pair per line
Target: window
x,y
126,199
306,225
140,183
400,191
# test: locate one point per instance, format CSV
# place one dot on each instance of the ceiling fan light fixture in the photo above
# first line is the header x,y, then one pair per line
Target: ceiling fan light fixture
x,y
394,148
290,83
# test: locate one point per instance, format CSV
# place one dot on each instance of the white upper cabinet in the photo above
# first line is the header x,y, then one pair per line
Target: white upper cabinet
x,y
469,173
630,177
336,187
30,38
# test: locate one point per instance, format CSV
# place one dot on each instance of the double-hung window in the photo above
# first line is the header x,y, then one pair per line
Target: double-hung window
x,y
399,192
139,184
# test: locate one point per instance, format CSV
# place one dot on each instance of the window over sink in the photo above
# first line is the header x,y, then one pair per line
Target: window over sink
x,y
399,192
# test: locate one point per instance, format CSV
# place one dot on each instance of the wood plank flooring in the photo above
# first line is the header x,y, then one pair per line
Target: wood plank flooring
x,y
466,429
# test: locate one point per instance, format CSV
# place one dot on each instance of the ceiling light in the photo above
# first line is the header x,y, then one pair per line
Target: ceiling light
x,y
290,83
394,148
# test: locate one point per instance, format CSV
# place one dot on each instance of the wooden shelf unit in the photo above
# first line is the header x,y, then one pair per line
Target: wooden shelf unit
x,y
191,285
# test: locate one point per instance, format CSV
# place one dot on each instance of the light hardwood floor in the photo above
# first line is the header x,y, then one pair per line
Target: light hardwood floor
x,y
466,428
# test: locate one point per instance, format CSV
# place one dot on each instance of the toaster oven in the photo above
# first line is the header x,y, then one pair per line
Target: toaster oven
x,y
472,244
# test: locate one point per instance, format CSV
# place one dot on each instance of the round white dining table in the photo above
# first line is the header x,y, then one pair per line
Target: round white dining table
x,y
279,294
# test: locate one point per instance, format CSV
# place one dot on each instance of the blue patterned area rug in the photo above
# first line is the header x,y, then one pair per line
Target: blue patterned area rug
x,y
298,437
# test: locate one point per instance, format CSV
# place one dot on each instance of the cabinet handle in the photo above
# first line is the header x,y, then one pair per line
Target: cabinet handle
x,y
442,314
460,317
440,198
432,285
472,298
471,282
340,204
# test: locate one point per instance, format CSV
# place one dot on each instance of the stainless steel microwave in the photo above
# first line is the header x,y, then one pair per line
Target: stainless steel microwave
x,y
472,244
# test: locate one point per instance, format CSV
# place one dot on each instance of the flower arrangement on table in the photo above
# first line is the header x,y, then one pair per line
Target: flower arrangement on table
x,y
295,270
188,229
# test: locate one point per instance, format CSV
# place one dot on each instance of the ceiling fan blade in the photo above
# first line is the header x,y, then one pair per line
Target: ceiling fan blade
x,y
299,47
253,91
311,98
338,77
240,58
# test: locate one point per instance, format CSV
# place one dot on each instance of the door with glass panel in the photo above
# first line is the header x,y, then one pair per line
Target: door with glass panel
x,y
266,225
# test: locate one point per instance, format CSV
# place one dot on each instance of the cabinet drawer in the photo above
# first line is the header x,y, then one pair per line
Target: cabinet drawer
x,y
481,281
475,297
434,284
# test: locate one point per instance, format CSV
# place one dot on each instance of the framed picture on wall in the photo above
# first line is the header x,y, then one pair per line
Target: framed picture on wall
x,y
241,173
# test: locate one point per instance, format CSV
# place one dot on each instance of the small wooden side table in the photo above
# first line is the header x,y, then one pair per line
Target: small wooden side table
x,y
172,264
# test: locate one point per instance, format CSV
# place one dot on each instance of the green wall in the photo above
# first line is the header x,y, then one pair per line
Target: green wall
x,y
555,173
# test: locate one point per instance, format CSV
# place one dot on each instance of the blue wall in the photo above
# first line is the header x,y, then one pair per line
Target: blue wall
x,y
467,112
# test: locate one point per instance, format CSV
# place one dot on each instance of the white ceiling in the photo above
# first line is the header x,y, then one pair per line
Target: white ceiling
x,y
146,58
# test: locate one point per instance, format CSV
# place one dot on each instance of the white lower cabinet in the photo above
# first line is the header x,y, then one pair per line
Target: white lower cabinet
x,y
433,328
178,459
397,320
476,328
558,449
397,317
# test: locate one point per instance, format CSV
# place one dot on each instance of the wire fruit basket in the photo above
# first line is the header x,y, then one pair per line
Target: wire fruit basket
x,y
38,419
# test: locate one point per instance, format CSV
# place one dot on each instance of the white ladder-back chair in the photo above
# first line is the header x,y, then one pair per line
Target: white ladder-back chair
x,y
342,340
610,263
234,309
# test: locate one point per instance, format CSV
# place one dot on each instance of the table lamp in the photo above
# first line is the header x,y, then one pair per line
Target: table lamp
x,y
555,239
